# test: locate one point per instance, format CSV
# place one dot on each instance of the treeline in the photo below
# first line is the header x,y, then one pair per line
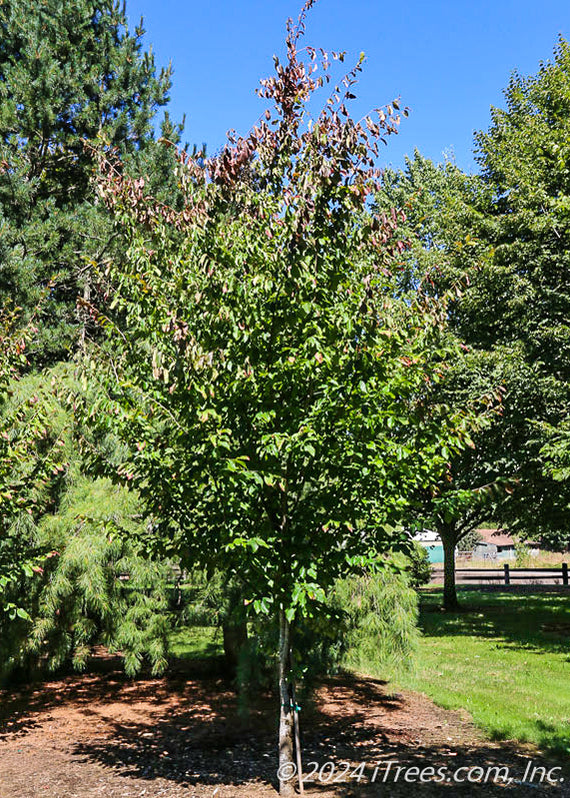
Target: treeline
x,y
501,238
73,79
268,367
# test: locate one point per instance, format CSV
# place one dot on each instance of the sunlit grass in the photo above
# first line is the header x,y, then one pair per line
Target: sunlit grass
x,y
505,659
195,642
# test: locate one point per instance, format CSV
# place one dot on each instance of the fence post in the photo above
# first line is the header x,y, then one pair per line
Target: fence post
x,y
507,575
565,574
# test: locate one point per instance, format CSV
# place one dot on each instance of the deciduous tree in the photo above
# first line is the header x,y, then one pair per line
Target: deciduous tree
x,y
274,389
501,237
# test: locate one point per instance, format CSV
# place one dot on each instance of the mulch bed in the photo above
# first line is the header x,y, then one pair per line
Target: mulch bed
x,y
183,736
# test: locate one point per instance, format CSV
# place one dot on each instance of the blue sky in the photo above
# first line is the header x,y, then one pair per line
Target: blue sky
x,y
448,60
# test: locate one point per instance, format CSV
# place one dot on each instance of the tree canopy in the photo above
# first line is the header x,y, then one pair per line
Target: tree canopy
x,y
71,75
501,237
274,388
289,360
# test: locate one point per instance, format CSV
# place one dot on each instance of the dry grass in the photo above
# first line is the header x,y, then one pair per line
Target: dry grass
x,y
544,559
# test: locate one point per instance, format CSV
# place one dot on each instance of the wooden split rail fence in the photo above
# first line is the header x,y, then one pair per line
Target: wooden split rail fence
x,y
507,576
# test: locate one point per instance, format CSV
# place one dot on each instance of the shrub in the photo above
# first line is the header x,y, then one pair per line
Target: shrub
x,y
419,566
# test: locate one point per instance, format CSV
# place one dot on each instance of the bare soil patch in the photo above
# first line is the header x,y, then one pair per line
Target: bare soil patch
x,y
181,736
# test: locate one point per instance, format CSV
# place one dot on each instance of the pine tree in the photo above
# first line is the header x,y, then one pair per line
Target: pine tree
x,y
31,467
100,589
73,573
71,75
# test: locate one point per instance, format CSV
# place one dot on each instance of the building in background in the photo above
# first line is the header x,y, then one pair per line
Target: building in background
x,y
496,544
432,542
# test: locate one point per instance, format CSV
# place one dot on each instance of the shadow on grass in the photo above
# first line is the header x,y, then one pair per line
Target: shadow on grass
x,y
549,737
522,621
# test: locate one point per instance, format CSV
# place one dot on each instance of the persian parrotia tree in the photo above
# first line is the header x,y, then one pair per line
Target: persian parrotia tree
x,y
273,389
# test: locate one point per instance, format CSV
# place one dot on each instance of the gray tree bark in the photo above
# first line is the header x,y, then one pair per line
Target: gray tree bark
x,y
286,761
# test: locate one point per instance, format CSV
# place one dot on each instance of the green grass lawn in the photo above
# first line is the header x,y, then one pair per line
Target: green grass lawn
x,y
195,642
505,659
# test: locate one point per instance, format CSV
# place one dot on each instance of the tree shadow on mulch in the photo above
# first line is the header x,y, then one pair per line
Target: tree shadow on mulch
x,y
204,741
22,705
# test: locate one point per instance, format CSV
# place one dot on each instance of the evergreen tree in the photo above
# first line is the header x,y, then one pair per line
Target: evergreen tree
x,y
71,76
73,573
32,464
100,589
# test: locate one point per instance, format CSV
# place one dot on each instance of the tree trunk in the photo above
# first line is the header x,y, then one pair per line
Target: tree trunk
x,y
235,637
87,298
287,767
448,539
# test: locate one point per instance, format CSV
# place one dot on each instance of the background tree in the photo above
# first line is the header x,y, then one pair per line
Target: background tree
x,y
468,543
437,259
31,467
521,295
71,74
72,574
480,479
524,158
501,237
272,386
